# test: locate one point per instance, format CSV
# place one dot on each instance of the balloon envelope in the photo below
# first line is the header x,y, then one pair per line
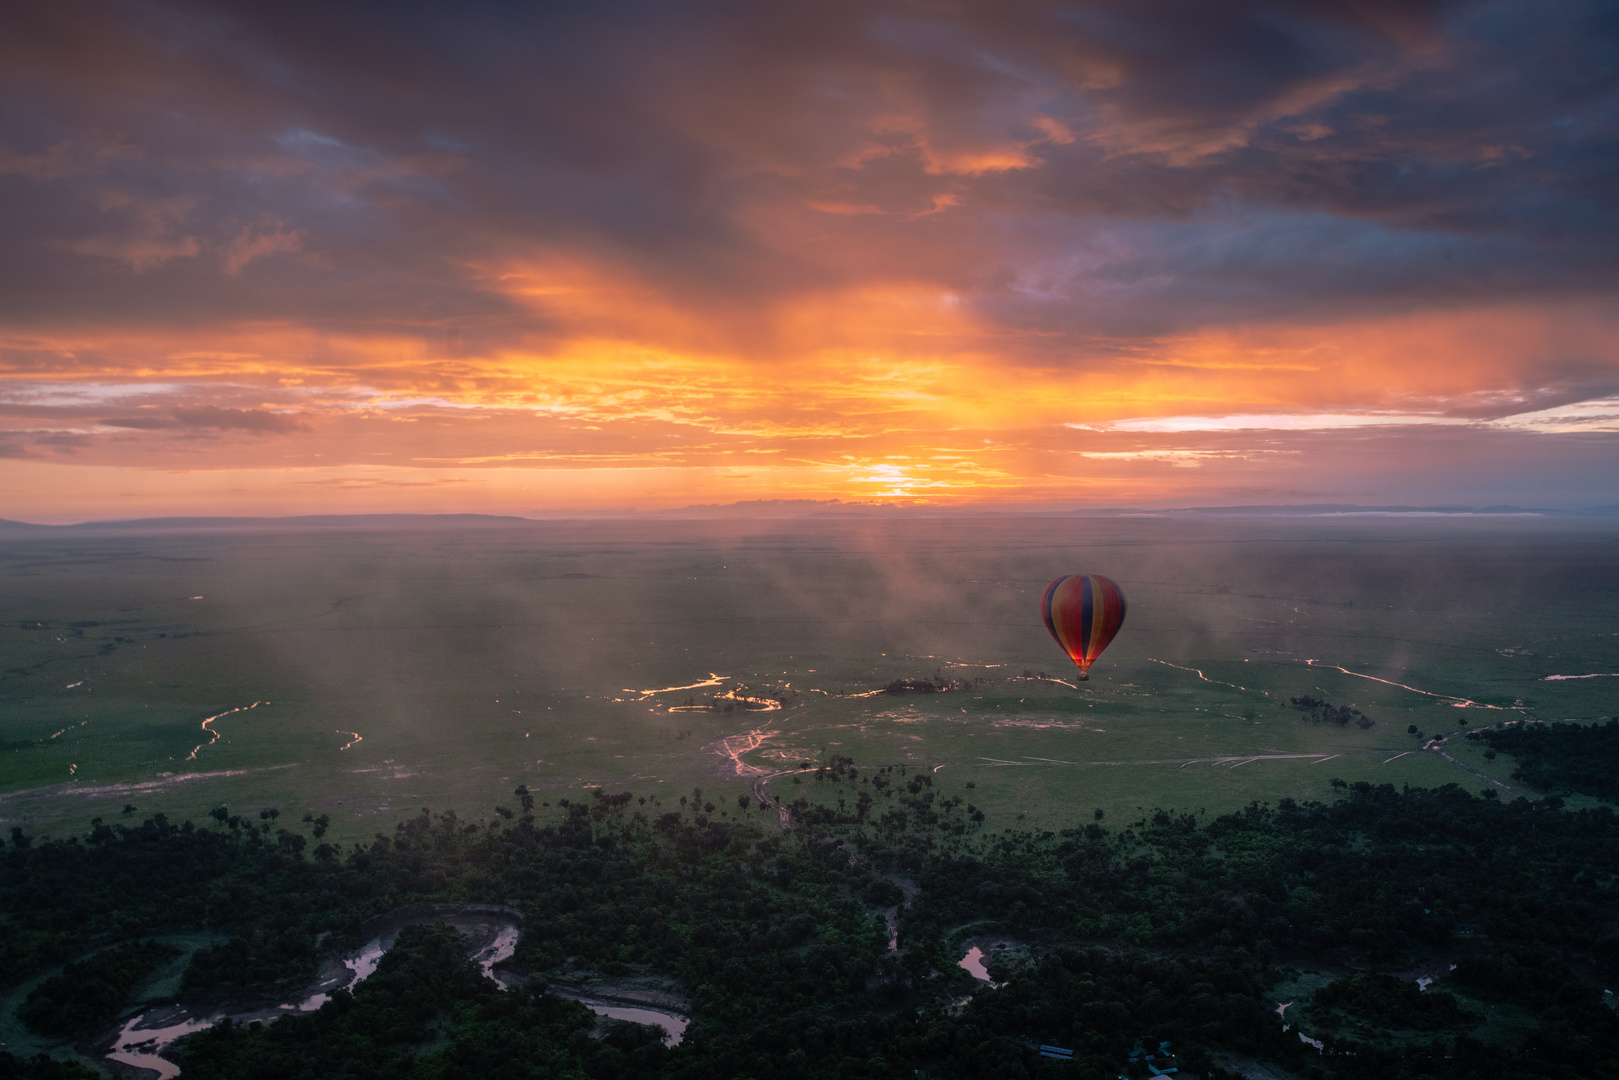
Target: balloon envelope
x,y
1083,612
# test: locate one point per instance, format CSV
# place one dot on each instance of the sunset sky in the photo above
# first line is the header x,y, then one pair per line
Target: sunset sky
x,y
326,257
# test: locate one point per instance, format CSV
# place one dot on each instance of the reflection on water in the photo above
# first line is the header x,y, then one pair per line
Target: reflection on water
x,y
364,963
712,680
1198,672
501,948
673,1024
215,731
1455,702
146,1036
734,746
974,963
139,1046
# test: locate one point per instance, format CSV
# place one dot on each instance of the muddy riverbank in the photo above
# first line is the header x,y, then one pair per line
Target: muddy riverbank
x,y
644,999
134,1048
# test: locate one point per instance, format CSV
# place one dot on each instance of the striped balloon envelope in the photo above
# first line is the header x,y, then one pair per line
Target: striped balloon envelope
x,y
1083,612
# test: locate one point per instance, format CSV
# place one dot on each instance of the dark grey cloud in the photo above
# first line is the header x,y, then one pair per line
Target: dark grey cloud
x,y
46,444
212,417
1188,161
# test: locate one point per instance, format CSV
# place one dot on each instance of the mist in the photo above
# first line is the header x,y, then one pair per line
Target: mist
x,y
422,663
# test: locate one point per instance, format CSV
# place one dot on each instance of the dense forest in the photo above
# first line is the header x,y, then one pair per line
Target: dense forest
x,y
1566,759
1172,929
91,992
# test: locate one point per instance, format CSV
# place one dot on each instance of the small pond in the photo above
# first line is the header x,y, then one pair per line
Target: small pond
x,y
973,962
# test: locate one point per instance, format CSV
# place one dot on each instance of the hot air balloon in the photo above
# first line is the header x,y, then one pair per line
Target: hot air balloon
x,y
1083,612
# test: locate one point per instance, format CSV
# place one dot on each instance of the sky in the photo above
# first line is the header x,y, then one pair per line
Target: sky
x,y
556,258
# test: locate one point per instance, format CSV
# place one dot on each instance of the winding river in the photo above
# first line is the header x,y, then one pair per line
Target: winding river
x,y
491,930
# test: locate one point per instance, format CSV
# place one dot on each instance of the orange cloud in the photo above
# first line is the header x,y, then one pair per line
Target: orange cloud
x,y
891,393
941,252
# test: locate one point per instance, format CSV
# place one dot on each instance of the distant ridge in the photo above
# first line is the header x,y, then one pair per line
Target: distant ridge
x,y
1354,510
307,521
793,508
781,509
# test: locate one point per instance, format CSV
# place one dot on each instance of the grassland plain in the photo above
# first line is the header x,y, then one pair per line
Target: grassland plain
x,y
366,672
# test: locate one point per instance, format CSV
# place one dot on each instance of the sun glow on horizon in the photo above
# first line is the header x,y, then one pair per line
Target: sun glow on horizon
x,y
955,422
935,256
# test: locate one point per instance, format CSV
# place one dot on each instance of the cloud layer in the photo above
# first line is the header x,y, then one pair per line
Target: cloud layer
x,y
919,249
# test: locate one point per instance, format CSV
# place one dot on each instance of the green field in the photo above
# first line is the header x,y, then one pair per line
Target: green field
x,y
444,666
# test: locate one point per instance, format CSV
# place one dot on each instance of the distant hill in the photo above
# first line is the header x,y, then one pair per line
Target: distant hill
x,y
309,521
1351,509
794,508
767,509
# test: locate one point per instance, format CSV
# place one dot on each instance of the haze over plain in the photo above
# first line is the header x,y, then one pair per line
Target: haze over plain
x,y
725,383
364,674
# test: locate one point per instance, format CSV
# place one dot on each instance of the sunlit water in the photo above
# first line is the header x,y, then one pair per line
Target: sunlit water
x,y
501,948
973,962
673,1024
144,1038
140,1047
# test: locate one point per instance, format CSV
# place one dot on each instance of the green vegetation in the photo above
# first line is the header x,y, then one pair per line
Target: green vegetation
x,y
90,992
333,686
562,654
1566,759
60,898
426,1012
1324,712
43,1067
1169,928
1381,1001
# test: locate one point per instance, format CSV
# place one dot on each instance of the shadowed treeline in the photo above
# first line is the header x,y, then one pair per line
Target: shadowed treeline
x,y
1162,929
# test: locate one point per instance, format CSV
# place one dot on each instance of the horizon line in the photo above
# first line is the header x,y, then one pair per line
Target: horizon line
x,y
788,509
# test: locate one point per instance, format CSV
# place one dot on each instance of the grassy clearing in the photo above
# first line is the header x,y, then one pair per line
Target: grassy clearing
x,y
561,656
